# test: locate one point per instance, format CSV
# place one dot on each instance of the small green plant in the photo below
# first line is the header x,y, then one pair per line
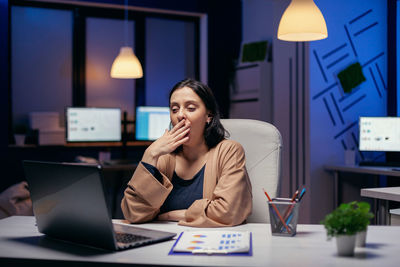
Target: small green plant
x,y
20,129
348,219
363,209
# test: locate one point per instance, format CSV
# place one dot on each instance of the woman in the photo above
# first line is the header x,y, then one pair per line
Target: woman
x,y
191,174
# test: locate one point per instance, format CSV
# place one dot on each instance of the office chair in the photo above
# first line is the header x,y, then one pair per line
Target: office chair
x,y
262,144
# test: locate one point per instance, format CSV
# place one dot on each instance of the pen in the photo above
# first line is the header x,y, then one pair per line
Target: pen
x,y
276,210
288,214
295,195
289,219
302,194
209,251
289,209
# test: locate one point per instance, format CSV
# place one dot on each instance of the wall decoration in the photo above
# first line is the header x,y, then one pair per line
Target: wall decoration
x,y
351,77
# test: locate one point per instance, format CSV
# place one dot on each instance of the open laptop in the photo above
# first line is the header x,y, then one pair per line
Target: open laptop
x,y
69,204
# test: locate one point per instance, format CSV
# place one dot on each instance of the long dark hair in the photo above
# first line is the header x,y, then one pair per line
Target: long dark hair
x,y
214,132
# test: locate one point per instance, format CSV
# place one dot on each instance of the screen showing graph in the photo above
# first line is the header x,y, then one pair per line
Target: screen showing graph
x,y
93,124
379,134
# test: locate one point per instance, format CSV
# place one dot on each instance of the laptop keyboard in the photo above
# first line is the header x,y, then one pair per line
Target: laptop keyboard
x,y
129,238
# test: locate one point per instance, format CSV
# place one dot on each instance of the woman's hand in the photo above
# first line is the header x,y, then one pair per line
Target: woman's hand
x,y
173,215
167,143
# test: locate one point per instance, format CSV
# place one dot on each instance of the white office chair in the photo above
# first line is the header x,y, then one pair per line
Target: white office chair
x,y
262,144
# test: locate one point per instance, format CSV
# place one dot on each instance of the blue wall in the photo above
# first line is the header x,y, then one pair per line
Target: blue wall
x,y
356,33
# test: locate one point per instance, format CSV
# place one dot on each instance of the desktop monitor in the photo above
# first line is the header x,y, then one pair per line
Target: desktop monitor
x,y
151,122
379,134
93,124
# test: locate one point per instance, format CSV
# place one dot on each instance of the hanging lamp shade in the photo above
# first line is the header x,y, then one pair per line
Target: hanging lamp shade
x,y
126,65
302,21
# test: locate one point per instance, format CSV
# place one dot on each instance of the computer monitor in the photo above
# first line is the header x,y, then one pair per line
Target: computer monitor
x,y
93,124
379,134
151,122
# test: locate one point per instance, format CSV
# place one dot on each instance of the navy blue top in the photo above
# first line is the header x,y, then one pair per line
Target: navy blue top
x,y
184,192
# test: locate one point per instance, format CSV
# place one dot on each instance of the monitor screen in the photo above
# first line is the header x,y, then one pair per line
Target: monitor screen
x,y
93,124
379,134
151,122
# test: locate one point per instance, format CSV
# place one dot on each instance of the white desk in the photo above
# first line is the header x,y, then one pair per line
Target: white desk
x,y
20,242
336,169
383,195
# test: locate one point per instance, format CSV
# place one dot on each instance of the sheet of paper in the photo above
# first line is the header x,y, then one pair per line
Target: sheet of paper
x,y
213,242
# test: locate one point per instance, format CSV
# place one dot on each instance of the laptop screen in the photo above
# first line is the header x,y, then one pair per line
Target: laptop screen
x,y
93,124
379,134
151,122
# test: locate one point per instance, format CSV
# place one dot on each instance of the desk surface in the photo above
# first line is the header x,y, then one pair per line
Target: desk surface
x,y
390,171
20,240
386,193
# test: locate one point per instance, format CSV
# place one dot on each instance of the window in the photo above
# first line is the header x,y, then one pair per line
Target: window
x,y
41,60
51,70
170,57
104,37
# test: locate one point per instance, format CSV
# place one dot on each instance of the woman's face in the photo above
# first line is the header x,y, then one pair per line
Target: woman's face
x,y
186,105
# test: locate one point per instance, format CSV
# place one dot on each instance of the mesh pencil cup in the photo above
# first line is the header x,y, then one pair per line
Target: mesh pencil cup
x,y
283,216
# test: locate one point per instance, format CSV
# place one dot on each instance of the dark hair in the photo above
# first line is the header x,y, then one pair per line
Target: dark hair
x,y
214,132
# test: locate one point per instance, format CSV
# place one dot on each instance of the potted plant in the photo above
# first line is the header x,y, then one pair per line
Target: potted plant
x,y
344,223
363,209
20,131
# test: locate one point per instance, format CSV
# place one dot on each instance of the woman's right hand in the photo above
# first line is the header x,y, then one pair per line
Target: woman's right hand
x,y
168,142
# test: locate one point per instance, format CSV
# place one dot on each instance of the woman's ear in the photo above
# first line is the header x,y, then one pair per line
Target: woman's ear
x,y
209,118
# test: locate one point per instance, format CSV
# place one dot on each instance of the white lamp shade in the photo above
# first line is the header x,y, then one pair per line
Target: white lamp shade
x,y
126,65
302,21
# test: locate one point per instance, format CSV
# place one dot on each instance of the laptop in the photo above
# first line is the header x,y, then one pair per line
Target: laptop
x,y
69,203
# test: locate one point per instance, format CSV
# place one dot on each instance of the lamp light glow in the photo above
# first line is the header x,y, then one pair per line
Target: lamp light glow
x,y
126,65
302,21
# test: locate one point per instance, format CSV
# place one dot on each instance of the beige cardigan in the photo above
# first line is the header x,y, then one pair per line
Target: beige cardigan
x,y
227,196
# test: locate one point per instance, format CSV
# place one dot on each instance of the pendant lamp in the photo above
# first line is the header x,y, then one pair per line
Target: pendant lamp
x,y
126,65
302,21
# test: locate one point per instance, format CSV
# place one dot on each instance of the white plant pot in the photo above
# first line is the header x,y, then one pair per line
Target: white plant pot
x,y
361,238
345,244
19,139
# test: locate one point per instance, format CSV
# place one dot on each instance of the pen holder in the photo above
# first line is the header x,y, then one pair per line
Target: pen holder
x,y
283,216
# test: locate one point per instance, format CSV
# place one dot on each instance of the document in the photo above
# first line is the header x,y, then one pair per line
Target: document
x,y
213,242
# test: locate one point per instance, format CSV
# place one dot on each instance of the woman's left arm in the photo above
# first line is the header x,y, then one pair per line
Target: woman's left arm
x,y
231,202
173,215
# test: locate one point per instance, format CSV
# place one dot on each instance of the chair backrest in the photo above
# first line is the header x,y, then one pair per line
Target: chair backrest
x,y
262,144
